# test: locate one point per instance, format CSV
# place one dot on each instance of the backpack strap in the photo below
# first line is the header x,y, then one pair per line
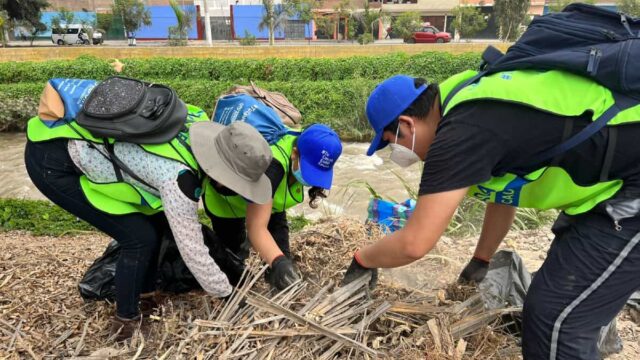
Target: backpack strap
x,y
109,147
457,89
119,166
490,57
608,155
621,103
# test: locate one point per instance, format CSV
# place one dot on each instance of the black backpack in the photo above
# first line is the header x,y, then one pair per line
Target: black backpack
x,y
133,111
582,39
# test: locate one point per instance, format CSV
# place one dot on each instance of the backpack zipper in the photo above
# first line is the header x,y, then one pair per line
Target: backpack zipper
x,y
594,61
577,30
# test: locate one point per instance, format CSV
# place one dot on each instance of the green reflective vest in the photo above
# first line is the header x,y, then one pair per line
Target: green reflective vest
x,y
121,198
286,195
552,91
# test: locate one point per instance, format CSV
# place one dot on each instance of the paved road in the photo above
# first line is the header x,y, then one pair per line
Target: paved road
x,y
202,43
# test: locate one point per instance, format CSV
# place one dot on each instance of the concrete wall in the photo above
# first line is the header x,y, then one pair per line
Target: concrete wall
x,y
235,52
246,18
161,18
78,5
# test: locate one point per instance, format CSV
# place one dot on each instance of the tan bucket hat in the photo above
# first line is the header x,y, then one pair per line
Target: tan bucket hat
x,y
236,156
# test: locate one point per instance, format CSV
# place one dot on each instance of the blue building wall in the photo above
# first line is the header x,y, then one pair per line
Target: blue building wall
x,y
88,16
161,18
247,17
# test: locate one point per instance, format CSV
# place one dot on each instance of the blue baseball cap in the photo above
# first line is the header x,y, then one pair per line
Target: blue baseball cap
x,y
319,148
386,102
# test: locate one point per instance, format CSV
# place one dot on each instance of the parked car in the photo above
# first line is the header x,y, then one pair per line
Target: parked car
x,y
74,34
429,34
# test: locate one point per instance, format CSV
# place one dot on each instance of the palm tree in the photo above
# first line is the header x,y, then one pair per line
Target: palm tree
x,y
181,30
274,18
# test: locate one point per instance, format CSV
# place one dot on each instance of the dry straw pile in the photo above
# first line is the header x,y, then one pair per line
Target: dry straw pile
x,y
43,316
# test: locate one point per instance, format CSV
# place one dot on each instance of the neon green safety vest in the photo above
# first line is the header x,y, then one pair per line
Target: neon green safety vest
x,y
552,91
121,198
285,196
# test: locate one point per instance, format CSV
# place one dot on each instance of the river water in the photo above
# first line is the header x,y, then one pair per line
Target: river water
x,y
348,197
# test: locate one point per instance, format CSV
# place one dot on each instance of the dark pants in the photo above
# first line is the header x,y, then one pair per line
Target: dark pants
x,y
590,272
54,174
233,233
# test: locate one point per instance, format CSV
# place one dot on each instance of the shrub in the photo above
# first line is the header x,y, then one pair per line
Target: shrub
x,y
329,91
440,64
365,39
248,39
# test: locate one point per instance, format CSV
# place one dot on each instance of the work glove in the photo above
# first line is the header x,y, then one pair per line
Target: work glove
x,y
356,270
282,273
475,271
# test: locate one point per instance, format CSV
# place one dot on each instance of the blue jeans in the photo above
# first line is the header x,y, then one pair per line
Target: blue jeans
x,y
590,272
56,176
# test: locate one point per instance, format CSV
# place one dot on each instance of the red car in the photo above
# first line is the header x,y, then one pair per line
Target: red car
x,y
429,34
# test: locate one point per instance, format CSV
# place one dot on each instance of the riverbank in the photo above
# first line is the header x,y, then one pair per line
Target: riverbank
x,y
42,314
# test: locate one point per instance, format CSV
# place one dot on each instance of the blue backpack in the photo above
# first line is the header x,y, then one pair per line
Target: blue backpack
x,y
583,39
242,107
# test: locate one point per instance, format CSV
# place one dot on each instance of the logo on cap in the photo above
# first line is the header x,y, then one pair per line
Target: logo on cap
x,y
326,160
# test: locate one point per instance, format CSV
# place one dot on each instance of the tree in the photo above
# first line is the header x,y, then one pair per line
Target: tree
x,y
558,5
303,10
273,18
325,25
89,24
32,29
367,17
4,17
629,7
25,13
510,14
179,34
406,24
104,21
65,17
134,15
469,20
343,10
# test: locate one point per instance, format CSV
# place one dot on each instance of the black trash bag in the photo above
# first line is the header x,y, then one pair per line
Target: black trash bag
x,y
506,284
98,283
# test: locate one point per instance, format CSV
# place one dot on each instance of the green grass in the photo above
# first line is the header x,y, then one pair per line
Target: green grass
x,y
469,216
43,218
39,218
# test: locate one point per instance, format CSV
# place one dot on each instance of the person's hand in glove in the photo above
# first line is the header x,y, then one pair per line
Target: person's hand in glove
x,y
282,273
475,271
356,270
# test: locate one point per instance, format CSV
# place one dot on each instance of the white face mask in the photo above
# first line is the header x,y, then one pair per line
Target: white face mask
x,y
401,155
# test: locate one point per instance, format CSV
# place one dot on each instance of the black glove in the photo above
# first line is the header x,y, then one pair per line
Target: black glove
x,y
475,271
355,271
282,273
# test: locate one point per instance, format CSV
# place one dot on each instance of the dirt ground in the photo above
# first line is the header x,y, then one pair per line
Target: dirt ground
x,y
39,300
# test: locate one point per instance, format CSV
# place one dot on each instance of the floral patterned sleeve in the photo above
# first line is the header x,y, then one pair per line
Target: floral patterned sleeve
x,y
182,213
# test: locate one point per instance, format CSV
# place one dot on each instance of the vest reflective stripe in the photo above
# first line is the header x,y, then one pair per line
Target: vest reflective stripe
x,y
121,198
285,197
550,187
